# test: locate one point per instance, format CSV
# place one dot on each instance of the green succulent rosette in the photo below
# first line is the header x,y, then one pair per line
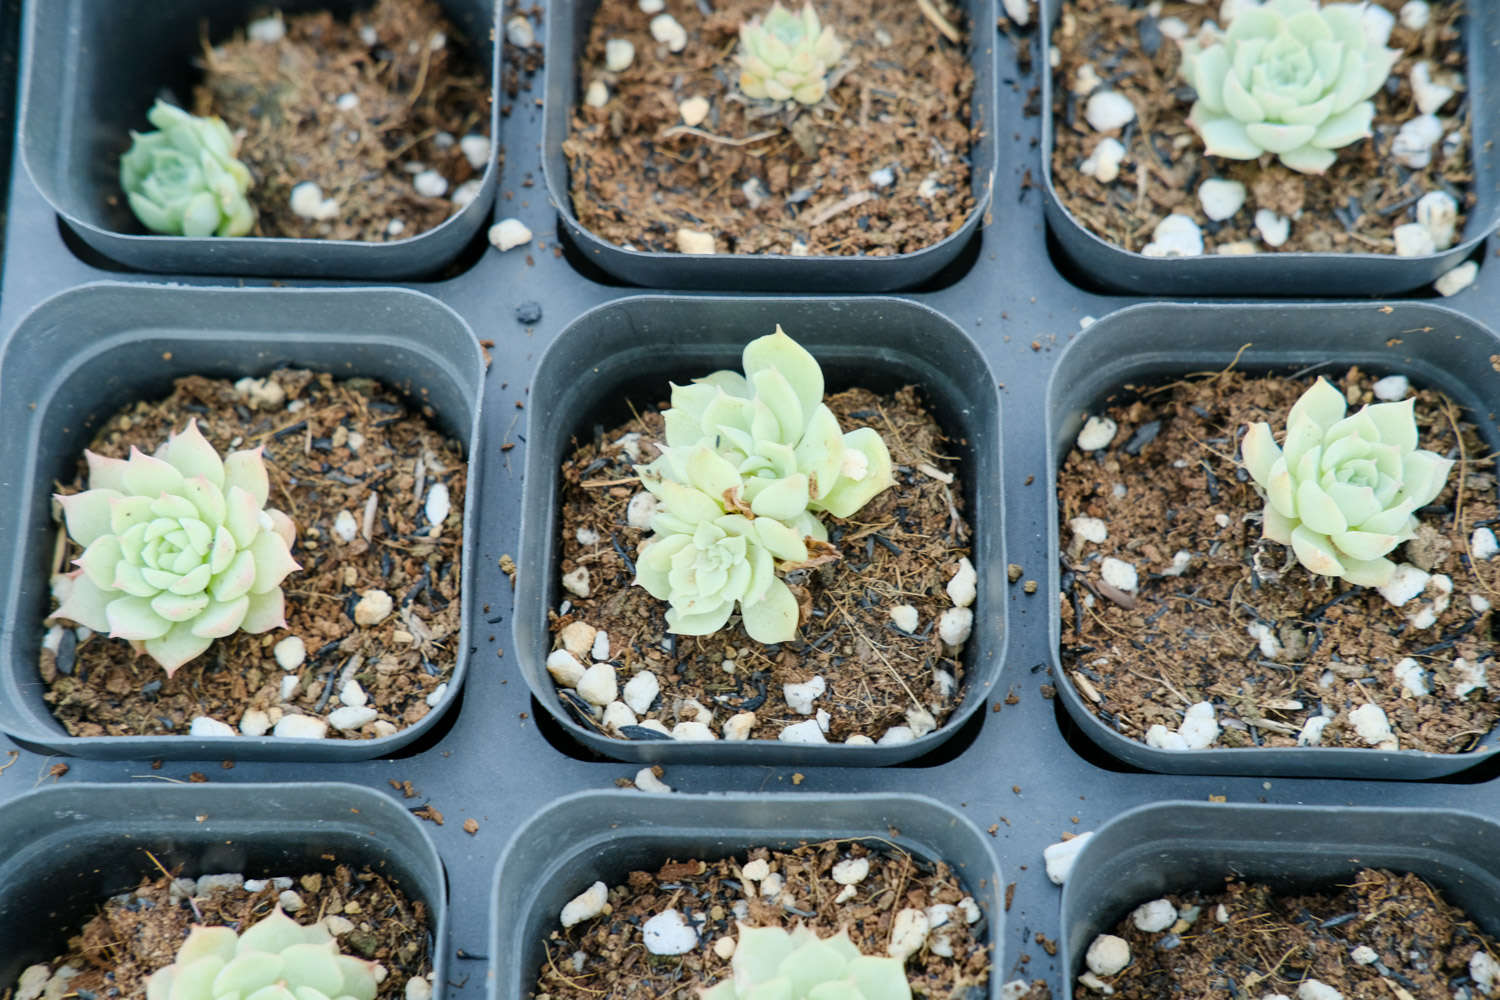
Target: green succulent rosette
x,y
1344,491
771,963
183,179
1287,77
787,56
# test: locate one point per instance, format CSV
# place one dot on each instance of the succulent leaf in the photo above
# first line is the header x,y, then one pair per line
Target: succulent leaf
x,y
787,57
183,180
1343,491
177,563
771,963
1288,77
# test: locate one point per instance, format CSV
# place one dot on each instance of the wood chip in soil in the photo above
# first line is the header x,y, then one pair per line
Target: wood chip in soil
x,y
330,446
1270,943
1353,208
137,933
901,548
410,96
761,179
1244,625
605,956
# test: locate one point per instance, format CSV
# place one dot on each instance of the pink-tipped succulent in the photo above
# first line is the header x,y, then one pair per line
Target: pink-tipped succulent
x,y
180,548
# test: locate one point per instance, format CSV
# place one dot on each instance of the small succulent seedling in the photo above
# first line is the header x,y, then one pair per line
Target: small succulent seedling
x,y
277,959
184,180
1287,77
787,56
1343,491
750,461
771,962
179,548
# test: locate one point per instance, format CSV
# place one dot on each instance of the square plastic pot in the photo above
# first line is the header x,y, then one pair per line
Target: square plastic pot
x,y
71,847
90,71
567,37
603,836
1293,274
82,355
1436,347
630,349
1179,846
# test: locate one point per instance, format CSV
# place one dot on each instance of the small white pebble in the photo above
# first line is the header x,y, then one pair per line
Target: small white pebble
x,y
695,241
851,871
1221,914
955,625
1108,110
1237,248
205,726
1484,970
1378,23
1273,228
290,653
1312,731
438,506
345,528
771,885
307,201
1406,582
507,234
302,727
436,695
1363,955
347,102
1412,678
1157,915
430,184
1161,738
1097,433
617,715
417,988
1119,574
565,669
1483,544
476,149
647,781
1392,388
290,901
641,510
1221,199
518,31
1469,676
1096,984
266,30
693,111
919,721
1175,236
896,736
1174,28
289,685
1313,989
577,582
692,731
597,94
668,933
641,691
1413,240
372,608
800,697
586,905
1181,559
352,694
437,41
756,870
1373,726
350,719
255,723
908,933
1414,15
1413,144
1437,212
395,227
1018,11
652,6
1458,279
927,189
724,947
1427,93
962,587
369,36
600,649
1199,729
597,686
665,29
802,732
905,617
1107,955
737,727
1060,857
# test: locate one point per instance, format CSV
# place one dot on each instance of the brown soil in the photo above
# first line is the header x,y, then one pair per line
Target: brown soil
x,y
99,686
412,100
637,175
1353,208
138,933
1270,943
901,548
614,960
1141,659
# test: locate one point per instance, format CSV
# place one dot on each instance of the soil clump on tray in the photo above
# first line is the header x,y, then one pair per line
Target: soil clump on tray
x,y
1239,622
615,962
901,548
1251,941
358,107
879,167
137,933
1353,208
330,447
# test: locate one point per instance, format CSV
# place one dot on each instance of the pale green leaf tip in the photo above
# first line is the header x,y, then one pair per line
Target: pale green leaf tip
x,y
787,57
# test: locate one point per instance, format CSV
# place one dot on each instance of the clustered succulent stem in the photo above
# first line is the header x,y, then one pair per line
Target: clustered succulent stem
x,y
786,56
183,179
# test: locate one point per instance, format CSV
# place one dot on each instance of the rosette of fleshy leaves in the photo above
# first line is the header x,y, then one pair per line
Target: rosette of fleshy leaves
x,y
750,461
787,56
179,548
1343,491
1288,77
277,959
771,963
183,180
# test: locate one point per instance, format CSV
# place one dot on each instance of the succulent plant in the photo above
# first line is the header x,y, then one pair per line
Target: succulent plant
x,y
179,548
1343,491
787,56
1287,77
277,959
184,180
749,462
771,963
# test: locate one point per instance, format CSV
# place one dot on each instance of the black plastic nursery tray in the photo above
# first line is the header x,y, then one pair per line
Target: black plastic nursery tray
x,y
500,763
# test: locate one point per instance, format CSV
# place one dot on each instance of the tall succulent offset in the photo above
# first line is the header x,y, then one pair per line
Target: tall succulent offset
x,y
750,461
277,959
771,963
787,56
1287,77
1342,491
179,548
184,180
